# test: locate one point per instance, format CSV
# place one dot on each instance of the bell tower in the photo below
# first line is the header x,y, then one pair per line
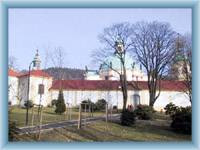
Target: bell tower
x,y
36,61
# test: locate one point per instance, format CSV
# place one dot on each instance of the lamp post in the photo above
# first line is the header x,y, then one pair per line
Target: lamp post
x,y
27,107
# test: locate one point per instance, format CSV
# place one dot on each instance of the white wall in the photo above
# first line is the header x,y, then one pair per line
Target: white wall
x,y
23,85
13,83
75,97
34,86
33,89
116,98
94,77
177,98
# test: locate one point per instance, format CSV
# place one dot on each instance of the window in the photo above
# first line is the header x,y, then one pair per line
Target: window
x,y
136,100
41,89
106,77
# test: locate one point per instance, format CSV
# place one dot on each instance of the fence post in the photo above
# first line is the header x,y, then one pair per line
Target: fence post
x,y
106,112
85,113
70,115
111,113
90,110
79,118
32,116
40,122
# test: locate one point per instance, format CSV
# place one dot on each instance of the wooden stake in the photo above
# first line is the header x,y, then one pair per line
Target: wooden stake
x,y
79,120
40,123
85,113
111,114
70,115
32,116
106,113
89,110
92,110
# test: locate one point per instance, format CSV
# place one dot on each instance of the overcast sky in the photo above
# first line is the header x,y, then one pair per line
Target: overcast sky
x,y
77,30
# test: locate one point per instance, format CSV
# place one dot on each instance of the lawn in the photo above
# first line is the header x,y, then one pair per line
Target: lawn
x,y
18,115
100,131
157,129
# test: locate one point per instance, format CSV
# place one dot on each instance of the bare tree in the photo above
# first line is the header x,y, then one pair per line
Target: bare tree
x,y
117,42
181,66
12,62
153,44
187,67
57,58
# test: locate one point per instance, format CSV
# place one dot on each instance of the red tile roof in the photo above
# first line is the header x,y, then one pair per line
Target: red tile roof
x,y
13,73
37,73
112,85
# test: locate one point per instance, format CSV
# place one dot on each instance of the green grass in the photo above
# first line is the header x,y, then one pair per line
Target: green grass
x,y
100,131
18,115
157,129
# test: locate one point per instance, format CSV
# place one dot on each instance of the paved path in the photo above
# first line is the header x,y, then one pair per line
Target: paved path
x,y
51,126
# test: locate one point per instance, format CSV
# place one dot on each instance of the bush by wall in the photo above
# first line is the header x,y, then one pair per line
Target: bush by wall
x,y
12,131
144,112
88,105
29,104
170,109
127,118
53,102
101,104
182,120
60,105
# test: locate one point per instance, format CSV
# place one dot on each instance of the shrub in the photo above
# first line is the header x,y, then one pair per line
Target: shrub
x,y
170,109
144,112
60,105
182,120
101,104
75,108
127,118
115,107
85,103
29,104
53,102
12,131
9,103
88,105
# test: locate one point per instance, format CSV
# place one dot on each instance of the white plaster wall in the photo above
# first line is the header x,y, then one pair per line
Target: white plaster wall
x,y
94,77
116,98
13,83
177,98
23,85
75,97
144,97
34,86
132,75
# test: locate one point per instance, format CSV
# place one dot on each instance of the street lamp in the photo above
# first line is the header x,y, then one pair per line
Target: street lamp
x,y
119,45
120,51
27,105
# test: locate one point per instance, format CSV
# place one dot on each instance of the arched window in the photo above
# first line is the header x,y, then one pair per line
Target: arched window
x,y
136,100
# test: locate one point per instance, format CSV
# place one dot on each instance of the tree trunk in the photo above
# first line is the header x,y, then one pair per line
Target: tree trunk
x,y
152,94
124,83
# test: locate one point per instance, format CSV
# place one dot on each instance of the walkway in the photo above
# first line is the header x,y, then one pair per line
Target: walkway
x,y
51,126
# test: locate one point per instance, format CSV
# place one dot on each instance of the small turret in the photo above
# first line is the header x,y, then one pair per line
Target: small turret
x,y
36,61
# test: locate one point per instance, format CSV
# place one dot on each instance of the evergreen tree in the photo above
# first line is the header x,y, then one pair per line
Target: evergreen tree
x,y
60,105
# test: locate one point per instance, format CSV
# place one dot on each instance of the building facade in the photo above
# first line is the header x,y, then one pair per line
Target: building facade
x,y
110,68
102,84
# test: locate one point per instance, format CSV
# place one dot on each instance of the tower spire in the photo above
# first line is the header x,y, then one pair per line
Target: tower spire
x,y
36,61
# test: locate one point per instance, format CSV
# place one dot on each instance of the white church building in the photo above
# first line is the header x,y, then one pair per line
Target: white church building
x,y
101,84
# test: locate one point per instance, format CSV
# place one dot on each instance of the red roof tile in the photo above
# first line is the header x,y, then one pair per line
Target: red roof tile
x,y
13,73
37,73
112,85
